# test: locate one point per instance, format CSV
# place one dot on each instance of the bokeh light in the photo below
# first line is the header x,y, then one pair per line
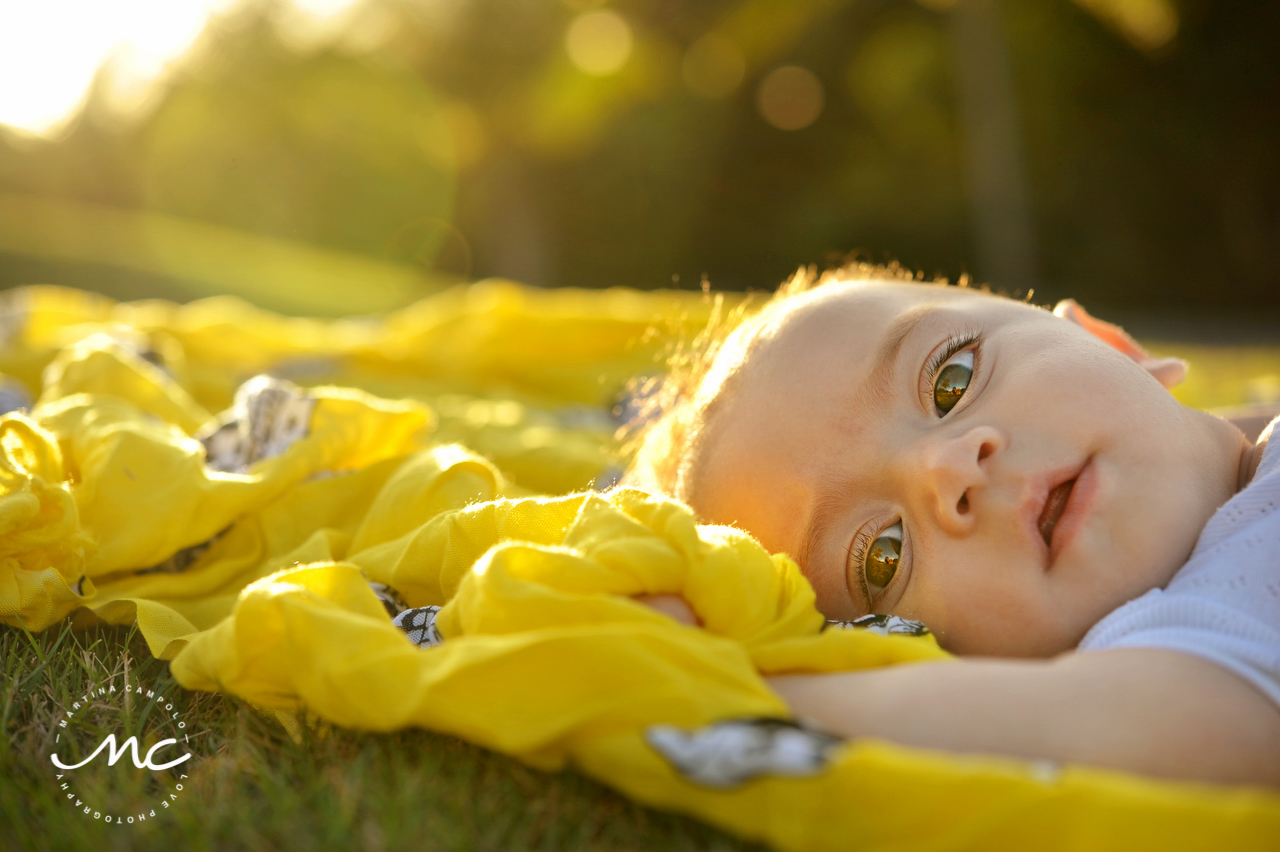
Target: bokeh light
x,y
1148,24
599,42
790,97
713,66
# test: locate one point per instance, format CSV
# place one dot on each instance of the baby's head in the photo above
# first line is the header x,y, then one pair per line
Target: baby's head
x,y
1004,475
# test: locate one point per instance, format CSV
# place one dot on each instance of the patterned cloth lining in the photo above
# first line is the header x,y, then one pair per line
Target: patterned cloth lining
x,y
882,625
419,624
730,753
268,416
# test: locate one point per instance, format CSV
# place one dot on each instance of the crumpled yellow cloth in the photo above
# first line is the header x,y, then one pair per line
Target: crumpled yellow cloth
x,y
244,547
43,549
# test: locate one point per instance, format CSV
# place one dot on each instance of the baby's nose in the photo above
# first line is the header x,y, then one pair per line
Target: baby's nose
x,y
954,471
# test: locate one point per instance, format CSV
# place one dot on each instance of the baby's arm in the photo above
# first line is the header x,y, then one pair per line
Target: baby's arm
x,y
1151,711
1154,712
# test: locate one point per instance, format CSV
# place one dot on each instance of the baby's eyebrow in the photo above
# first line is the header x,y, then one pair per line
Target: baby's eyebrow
x,y
832,502
884,367
825,509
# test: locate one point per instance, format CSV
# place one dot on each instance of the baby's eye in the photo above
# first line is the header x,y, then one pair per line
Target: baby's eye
x,y
952,381
881,562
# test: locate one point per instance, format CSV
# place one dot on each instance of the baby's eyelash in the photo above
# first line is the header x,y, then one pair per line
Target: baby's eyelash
x,y
955,342
858,554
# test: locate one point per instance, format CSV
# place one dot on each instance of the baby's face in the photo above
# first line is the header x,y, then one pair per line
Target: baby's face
x,y
972,462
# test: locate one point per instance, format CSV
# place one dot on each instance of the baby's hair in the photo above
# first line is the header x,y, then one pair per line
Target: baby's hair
x,y
666,413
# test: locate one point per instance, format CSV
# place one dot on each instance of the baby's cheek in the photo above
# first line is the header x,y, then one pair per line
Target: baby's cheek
x,y
926,603
972,613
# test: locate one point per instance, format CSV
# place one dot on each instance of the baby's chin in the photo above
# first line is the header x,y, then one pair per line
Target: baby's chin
x,y
1041,630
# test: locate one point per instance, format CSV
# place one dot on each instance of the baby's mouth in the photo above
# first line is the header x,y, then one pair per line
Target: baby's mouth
x,y
1053,508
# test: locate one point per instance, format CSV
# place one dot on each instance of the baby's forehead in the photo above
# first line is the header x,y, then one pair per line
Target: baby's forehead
x,y
814,347
870,310
879,298
845,315
822,343
841,347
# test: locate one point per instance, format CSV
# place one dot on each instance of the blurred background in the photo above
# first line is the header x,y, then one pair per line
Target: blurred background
x,y
326,157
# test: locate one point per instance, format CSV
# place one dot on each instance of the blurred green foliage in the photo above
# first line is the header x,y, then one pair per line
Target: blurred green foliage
x,y
457,138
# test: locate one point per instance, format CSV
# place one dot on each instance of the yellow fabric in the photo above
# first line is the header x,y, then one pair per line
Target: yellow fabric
x,y
256,582
43,549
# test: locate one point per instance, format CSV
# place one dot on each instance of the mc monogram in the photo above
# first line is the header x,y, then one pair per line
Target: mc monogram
x,y
114,754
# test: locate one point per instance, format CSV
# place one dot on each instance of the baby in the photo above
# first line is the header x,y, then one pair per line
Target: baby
x,y
1021,482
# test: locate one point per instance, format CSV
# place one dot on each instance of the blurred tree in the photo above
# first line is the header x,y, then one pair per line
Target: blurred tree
x,y
471,136
324,149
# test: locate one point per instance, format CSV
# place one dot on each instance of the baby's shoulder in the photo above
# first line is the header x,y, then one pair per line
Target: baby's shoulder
x,y
1243,533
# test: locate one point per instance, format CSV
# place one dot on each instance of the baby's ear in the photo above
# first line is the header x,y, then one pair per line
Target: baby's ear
x,y
1167,371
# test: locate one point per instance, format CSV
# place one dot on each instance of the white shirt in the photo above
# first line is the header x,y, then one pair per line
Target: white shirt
x,y
1224,604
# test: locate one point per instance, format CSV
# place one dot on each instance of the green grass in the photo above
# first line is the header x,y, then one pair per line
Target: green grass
x,y
1223,376
252,787
199,259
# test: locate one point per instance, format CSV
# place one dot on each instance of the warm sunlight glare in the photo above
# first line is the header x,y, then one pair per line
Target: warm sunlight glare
x,y
1147,24
50,51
